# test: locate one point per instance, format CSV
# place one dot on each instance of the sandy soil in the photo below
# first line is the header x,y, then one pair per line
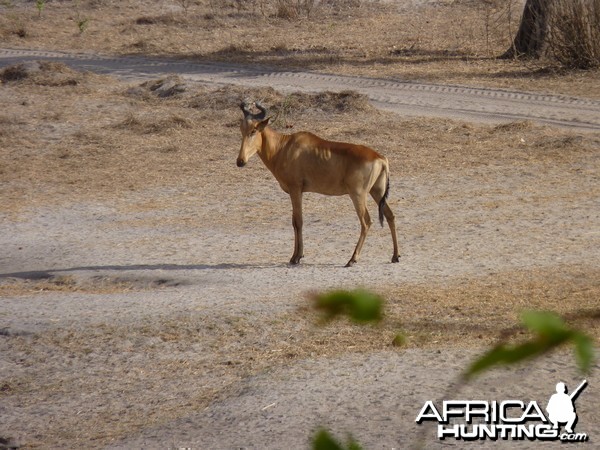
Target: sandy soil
x,y
146,300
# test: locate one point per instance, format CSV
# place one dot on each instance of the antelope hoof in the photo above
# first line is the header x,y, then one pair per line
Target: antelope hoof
x,y
295,260
395,259
350,263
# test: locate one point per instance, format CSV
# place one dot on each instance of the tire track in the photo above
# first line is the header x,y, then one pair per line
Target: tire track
x,y
403,97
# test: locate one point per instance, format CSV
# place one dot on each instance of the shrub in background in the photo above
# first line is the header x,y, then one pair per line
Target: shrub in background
x,y
574,39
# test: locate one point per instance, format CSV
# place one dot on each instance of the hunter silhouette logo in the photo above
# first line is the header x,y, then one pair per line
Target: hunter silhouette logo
x,y
509,419
561,408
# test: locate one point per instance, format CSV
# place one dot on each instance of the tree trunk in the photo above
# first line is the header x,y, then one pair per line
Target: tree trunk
x,y
530,41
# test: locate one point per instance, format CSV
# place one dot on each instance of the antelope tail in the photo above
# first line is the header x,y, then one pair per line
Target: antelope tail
x,y
385,195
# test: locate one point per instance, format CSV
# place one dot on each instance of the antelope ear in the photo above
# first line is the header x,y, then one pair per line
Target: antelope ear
x,y
263,124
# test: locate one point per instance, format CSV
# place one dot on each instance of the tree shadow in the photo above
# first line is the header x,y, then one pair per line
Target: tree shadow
x,y
313,58
321,59
290,60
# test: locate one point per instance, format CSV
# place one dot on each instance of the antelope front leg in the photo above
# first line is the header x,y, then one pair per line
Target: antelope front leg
x,y
296,197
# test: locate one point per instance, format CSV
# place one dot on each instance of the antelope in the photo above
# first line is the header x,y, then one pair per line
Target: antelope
x,y
303,162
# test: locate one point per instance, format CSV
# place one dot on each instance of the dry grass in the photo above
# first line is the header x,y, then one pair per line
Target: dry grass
x,y
468,313
475,312
453,42
96,139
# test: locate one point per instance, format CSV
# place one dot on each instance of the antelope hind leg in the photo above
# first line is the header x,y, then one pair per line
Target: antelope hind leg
x,y
359,201
390,219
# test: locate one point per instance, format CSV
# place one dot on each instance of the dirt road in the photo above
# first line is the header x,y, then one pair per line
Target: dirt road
x,y
403,97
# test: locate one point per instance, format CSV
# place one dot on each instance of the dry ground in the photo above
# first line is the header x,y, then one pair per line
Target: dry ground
x,y
447,41
145,299
144,277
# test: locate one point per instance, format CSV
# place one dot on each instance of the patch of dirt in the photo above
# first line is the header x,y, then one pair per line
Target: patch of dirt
x,y
43,73
39,283
295,103
166,87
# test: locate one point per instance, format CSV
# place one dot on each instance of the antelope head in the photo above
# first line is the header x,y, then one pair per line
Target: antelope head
x,y
251,127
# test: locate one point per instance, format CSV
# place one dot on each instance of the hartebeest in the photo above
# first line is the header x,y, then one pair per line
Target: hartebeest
x,y
302,162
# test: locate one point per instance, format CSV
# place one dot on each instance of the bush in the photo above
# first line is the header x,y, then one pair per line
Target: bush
x,y
574,39
292,9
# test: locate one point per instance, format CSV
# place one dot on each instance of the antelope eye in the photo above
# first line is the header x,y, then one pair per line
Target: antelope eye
x,y
253,132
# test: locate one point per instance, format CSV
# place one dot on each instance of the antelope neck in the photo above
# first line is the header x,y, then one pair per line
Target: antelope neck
x,y
272,142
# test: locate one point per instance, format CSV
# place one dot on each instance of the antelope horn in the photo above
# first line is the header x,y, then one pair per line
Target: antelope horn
x,y
263,111
244,108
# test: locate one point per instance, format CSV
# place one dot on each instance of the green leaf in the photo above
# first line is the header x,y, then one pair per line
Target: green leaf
x,y
359,305
543,322
503,355
353,445
551,331
324,441
584,351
